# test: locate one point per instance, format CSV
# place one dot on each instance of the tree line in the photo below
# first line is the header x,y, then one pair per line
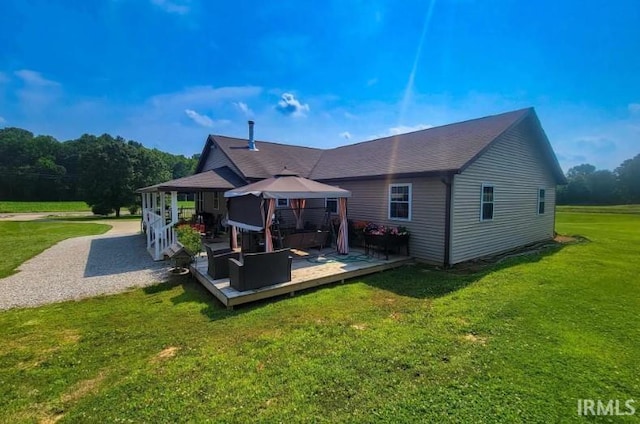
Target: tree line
x,y
103,171
590,186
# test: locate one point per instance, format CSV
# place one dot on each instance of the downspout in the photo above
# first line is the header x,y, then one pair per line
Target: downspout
x,y
448,182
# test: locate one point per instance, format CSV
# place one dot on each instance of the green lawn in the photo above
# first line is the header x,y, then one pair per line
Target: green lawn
x,y
20,241
24,207
518,342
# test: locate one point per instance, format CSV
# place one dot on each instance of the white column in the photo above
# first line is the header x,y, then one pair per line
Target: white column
x,y
154,201
144,202
174,207
163,208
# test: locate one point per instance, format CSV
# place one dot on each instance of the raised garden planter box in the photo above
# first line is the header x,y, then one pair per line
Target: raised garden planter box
x,y
386,243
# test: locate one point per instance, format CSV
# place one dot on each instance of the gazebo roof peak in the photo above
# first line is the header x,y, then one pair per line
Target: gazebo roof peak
x,y
286,173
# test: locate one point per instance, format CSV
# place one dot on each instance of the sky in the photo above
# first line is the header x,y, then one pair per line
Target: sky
x,y
167,73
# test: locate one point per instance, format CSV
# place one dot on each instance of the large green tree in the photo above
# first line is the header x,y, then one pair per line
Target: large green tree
x,y
42,168
107,174
629,179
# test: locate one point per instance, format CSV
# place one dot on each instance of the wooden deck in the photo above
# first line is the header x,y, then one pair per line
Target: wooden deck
x,y
309,269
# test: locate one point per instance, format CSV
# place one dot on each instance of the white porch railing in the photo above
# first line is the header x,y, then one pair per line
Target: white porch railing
x,y
159,222
160,234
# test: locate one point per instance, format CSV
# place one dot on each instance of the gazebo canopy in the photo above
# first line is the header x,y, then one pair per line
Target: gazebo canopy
x,y
252,207
288,185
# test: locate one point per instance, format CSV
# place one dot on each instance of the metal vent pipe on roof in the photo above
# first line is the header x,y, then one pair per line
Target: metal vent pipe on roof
x,y
252,142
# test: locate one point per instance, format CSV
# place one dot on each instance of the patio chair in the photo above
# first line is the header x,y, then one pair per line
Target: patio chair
x,y
260,269
219,262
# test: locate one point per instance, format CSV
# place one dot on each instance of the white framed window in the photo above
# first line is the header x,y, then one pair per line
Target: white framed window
x,y
486,202
400,202
199,201
282,203
216,200
331,204
541,194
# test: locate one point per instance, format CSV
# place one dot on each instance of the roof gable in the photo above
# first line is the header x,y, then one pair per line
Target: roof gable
x,y
268,160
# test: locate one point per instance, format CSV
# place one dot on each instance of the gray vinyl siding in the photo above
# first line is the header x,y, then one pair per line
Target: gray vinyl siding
x,y
217,159
369,201
209,204
516,169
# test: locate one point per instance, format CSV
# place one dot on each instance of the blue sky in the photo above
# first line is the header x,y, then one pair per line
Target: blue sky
x,y
169,72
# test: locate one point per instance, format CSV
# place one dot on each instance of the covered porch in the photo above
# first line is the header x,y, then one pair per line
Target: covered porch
x,y
161,211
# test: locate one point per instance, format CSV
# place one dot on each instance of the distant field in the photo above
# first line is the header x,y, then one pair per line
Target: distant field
x,y
25,207
633,209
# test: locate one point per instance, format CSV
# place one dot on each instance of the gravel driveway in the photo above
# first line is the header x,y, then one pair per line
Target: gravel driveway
x,y
83,267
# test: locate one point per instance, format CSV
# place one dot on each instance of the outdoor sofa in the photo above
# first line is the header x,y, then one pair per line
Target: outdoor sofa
x,y
260,269
219,262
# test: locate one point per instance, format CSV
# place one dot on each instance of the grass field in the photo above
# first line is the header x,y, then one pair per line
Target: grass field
x,y
25,207
22,240
632,209
35,207
521,341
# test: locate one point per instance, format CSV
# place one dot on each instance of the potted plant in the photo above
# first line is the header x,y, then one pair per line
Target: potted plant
x,y
188,247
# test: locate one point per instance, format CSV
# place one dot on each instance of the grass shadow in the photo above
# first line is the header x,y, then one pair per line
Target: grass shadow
x,y
426,281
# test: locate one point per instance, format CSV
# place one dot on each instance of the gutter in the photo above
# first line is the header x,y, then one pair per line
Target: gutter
x,y
448,182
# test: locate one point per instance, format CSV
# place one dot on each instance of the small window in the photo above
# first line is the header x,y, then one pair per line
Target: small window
x,y
216,200
199,201
283,203
541,193
331,204
400,201
486,203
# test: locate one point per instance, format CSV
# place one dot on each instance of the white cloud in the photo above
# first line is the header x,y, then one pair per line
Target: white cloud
x,y
289,105
36,93
34,78
243,108
402,129
372,81
346,135
203,120
203,96
176,7
2,120
634,108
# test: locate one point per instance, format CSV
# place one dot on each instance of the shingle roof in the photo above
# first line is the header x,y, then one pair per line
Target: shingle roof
x,y
448,148
270,158
437,149
220,178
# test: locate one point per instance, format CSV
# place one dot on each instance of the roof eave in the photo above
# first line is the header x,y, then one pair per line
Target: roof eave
x,y
423,174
